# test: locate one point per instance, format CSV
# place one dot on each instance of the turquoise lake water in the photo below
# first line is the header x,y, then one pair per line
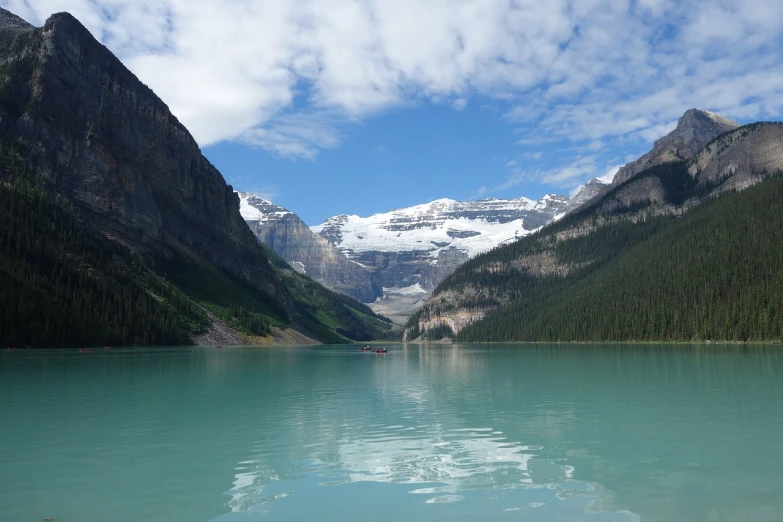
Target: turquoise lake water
x,y
433,433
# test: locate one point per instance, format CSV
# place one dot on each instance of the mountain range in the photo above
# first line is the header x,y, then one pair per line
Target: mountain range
x,y
393,260
116,229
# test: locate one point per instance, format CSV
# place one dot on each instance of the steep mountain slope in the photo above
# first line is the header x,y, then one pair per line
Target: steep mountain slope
x,y
99,145
694,130
307,252
410,250
628,255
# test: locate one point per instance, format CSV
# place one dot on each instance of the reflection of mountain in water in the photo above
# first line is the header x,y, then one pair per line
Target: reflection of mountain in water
x,y
397,433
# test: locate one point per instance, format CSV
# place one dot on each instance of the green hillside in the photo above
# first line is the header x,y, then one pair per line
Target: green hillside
x,y
714,273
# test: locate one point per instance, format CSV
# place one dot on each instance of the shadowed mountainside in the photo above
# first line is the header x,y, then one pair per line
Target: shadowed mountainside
x,y
82,132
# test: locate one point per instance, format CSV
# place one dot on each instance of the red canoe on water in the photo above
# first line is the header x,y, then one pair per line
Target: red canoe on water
x,y
85,350
380,350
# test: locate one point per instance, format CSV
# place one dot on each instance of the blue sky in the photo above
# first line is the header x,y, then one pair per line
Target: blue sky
x,y
360,106
402,158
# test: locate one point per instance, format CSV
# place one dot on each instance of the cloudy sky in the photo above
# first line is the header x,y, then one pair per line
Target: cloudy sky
x,y
360,106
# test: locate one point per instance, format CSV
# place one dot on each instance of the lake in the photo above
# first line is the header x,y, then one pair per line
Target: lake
x,y
430,433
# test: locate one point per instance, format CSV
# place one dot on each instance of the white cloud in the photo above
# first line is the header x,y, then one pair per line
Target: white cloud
x,y
459,104
299,134
287,75
562,176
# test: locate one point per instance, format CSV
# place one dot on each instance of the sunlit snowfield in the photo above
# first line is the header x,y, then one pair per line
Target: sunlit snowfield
x,y
451,433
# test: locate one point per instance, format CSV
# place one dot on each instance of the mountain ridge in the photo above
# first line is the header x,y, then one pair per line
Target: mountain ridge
x,y
94,141
694,129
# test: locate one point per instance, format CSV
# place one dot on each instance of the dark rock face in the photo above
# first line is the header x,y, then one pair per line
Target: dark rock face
x,y
290,237
408,268
102,138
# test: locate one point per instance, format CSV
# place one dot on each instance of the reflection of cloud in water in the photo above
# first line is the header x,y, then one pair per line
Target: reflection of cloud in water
x,y
458,459
402,434
439,466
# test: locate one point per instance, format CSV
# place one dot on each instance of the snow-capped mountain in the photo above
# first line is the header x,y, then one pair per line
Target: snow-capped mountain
x,y
471,227
394,259
410,250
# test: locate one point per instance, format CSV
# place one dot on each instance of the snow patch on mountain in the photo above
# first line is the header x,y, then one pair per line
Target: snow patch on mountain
x,y
374,233
255,208
407,290
248,211
472,227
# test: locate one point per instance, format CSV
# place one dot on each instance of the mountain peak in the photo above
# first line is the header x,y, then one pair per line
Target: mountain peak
x,y
9,20
693,117
67,22
694,130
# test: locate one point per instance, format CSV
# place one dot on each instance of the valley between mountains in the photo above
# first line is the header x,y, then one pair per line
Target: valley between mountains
x,y
515,269
115,229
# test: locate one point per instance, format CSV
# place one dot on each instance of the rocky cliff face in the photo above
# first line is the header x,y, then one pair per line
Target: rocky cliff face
x,y
733,161
96,136
740,158
694,130
307,252
588,192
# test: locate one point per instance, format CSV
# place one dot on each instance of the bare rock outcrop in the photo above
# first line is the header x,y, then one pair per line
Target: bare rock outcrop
x,y
312,255
695,129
